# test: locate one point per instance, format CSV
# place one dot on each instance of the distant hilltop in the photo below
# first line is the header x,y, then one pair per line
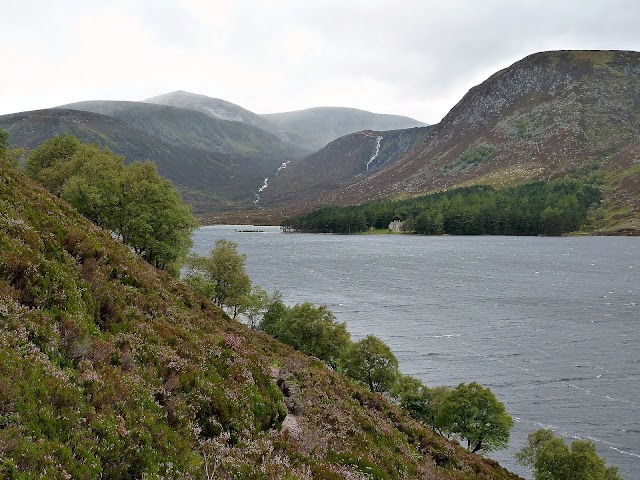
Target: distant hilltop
x,y
550,114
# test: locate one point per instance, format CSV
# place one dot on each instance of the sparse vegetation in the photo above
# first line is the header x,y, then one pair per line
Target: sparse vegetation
x,y
471,158
523,129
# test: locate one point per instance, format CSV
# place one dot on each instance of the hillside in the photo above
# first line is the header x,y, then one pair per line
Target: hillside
x,y
310,129
320,125
207,179
216,153
546,115
111,369
221,109
190,128
339,164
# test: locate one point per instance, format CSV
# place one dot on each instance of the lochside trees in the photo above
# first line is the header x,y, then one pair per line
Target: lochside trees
x,y
474,414
371,361
134,202
309,329
551,208
550,458
221,276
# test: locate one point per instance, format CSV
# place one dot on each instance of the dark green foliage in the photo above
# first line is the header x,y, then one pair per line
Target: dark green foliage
x,y
471,158
552,208
468,412
372,362
473,413
134,202
309,329
550,458
422,403
4,142
221,276
50,162
9,154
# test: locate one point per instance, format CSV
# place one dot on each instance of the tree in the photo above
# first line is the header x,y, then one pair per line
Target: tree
x,y
309,329
550,458
473,413
224,274
93,184
257,303
422,403
10,155
4,142
50,163
153,220
276,312
134,202
372,362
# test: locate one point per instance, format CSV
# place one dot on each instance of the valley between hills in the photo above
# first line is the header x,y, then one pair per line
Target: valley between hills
x,y
546,116
111,365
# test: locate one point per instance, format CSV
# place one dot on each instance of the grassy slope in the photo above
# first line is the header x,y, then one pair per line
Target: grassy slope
x,y
110,367
620,214
185,127
206,179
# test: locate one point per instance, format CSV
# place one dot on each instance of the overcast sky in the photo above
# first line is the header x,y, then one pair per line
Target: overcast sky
x,y
412,57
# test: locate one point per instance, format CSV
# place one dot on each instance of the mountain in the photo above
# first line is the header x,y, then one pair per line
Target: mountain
x,y
319,126
110,368
310,129
545,116
221,109
191,128
218,154
341,163
207,179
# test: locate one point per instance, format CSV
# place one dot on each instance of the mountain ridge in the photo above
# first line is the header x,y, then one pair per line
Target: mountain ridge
x,y
186,127
321,125
217,164
224,110
310,128
546,115
203,177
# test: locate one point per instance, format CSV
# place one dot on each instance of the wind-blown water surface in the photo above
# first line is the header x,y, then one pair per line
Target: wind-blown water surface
x,y
549,324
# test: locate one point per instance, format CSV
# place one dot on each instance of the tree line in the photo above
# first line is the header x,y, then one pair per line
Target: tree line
x,y
540,208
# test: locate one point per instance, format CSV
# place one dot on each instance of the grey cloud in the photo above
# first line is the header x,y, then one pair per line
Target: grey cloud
x,y
411,57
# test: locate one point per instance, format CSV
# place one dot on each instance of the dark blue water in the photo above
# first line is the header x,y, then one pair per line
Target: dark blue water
x,y
549,324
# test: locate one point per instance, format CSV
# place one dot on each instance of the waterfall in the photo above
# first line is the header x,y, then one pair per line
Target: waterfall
x,y
375,155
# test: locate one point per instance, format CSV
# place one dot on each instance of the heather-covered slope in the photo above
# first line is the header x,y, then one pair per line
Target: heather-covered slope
x,y
544,116
112,369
